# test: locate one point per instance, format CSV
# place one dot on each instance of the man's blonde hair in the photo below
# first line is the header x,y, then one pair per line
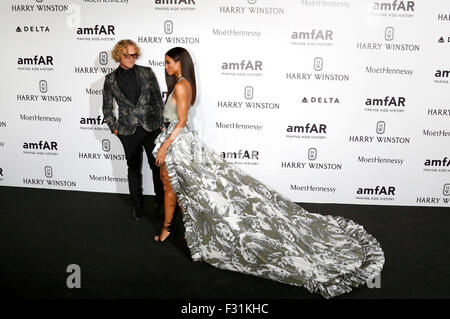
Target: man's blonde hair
x,y
123,44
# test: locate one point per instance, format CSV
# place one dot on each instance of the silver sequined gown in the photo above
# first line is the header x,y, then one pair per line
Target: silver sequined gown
x,y
235,222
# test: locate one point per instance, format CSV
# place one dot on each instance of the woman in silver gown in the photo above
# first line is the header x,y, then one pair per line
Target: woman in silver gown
x,y
235,222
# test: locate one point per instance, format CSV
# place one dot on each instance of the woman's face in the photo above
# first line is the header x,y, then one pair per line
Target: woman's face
x,y
172,67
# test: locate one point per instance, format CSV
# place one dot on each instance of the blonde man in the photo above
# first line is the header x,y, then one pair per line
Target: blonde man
x,y
137,94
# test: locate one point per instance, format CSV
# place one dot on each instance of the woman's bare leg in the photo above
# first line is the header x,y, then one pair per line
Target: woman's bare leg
x,y
170,201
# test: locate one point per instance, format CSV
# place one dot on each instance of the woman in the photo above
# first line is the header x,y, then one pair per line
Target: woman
x,y
234,222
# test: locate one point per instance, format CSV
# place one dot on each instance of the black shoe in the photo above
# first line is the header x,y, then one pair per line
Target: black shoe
x,y
136,213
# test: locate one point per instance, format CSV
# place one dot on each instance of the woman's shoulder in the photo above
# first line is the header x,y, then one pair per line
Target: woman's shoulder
x,y
182,86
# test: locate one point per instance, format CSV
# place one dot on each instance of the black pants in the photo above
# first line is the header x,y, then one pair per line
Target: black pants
x,y
133,146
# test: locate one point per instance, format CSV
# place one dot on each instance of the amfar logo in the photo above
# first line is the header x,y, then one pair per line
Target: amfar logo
x,y
394,6
99,120
313,37
444,40
241,154
93,123
377,190
41,145
441,76
244,65
174,2
97,30
174,5
242,68
445,162
386,101
25,28
308,128
386,104
442,73
36,60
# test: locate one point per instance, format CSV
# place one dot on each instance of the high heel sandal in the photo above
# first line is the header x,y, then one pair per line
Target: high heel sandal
x,y
170,229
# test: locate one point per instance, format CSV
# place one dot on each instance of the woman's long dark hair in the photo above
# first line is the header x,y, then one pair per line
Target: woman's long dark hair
x,y
187,70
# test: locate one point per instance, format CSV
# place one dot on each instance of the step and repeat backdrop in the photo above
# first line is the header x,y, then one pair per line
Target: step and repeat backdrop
x,y
324,101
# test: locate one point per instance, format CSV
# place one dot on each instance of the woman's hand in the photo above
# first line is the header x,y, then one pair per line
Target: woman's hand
x,y
161,155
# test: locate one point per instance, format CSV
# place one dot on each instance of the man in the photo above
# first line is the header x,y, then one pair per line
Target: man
x,y
136,91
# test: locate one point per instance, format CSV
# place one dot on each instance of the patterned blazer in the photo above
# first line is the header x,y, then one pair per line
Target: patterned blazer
x,y
148,111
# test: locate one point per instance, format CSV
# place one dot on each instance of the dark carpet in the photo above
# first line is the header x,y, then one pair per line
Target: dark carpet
x,y
44,231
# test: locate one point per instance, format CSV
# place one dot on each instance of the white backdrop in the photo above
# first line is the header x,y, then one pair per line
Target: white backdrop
x,y
325,101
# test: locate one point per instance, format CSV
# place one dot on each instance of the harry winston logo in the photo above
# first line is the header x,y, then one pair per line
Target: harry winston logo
x,y
48,171
389,34
106,145
103,58
168,27
312,154
248,92
43,86
318,64
251,1
446,191
381,126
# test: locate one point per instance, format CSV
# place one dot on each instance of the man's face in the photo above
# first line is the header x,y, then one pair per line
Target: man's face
x,y
129,56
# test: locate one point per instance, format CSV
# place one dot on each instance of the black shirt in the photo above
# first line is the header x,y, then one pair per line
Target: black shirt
x,y
128,83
